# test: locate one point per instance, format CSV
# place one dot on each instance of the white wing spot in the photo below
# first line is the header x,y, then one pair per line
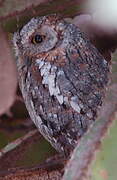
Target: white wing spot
x,y
48,72
74,104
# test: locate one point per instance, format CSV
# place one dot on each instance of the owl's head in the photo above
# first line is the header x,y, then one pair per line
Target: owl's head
x,y
40,34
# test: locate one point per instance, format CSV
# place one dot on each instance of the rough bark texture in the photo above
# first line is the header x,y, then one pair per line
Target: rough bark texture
x,y
46,171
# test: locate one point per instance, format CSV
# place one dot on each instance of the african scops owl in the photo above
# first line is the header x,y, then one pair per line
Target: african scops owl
x,y
62,77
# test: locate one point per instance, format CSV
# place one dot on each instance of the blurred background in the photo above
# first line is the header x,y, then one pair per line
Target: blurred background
x,y
20,143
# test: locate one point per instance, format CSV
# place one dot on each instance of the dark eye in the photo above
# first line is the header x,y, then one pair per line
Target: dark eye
x,y
37,39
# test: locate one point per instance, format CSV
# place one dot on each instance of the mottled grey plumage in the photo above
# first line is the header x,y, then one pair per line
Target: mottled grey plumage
x,y
62,79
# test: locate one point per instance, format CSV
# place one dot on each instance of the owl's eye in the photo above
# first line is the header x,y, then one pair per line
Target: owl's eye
x,y
37,39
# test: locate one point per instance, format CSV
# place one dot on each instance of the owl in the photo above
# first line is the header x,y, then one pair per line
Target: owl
x,y
62,77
